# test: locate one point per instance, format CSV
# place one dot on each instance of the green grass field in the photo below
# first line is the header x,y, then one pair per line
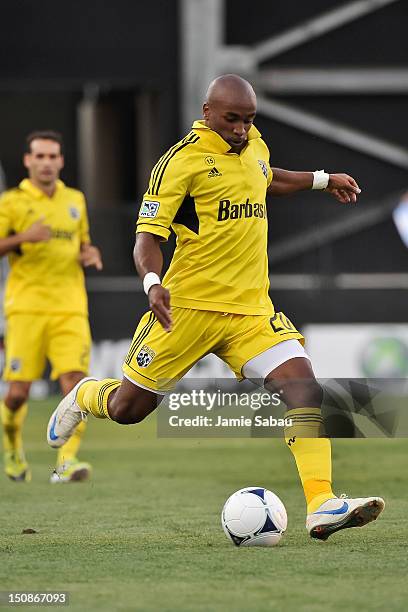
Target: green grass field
x,y
145,533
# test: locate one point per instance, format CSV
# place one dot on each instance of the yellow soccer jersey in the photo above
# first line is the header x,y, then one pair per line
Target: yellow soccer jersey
x,y
215,201
45,276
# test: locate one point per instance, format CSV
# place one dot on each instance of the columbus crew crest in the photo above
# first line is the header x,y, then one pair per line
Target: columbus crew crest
x,y
145,356
74,212
264,167
15,364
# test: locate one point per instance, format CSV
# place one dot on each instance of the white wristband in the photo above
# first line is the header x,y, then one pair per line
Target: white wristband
x,y
150,279
320,179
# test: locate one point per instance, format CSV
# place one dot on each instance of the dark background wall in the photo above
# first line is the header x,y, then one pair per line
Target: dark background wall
x,y
53,52
379,38
78,40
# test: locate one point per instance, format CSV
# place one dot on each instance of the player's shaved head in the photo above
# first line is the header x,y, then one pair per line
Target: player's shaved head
x,y
230,109
230,87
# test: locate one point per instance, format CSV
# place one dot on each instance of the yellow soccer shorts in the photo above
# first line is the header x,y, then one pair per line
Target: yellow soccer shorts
x,y
32,338
157,359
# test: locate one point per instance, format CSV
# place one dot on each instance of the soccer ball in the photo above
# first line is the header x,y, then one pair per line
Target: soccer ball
x,y
254,516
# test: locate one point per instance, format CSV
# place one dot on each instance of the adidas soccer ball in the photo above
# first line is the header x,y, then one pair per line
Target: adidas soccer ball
x,y
254,516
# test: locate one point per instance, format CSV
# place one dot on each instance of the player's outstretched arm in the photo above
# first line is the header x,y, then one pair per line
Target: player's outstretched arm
x,y
342,186
37,232
149,261
90,255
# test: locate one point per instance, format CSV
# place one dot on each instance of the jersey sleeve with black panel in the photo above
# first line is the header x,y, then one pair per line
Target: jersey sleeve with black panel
x,y
169,185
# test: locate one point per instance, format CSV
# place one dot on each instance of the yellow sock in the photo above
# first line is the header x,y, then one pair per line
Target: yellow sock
x,y
70,449
93,396
312,452
12,426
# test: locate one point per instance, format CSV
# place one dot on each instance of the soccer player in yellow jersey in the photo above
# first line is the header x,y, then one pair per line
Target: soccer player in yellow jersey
x,y
211,189
44,231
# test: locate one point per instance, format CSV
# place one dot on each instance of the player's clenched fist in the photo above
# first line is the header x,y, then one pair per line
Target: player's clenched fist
x,y
37,232
159,301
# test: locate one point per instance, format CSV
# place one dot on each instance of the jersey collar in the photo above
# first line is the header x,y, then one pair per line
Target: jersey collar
x,y
215,141
27,186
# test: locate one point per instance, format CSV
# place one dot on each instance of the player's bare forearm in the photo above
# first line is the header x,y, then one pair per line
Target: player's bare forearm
x,y
147,254
342,186
9,244
37,232
285,182
148,258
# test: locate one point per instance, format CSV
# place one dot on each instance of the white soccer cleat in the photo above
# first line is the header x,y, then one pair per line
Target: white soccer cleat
x,y
65,418
342,513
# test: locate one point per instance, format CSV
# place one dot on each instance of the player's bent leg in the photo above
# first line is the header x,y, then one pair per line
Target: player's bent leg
x,y
131,403
66,417
151,358
13,410
68,467
123,402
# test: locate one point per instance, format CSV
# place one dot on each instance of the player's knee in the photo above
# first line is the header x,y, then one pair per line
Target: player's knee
x,y
313,394
15,399
308,393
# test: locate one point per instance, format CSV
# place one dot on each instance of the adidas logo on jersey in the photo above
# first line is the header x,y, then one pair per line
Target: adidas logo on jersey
x,y
214,172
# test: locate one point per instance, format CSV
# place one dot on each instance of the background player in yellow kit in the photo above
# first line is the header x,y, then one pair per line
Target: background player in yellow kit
x,y
211,189
44,231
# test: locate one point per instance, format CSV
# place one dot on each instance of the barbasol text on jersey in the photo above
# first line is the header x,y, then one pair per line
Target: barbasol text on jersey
x,y
229,210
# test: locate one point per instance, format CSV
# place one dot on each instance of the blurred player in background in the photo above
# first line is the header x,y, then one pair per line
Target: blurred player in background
x,y
3,269
211,188
44,231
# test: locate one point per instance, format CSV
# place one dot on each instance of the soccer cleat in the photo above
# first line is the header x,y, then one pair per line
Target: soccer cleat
x,y
65,418
16,466
342,513
71,471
